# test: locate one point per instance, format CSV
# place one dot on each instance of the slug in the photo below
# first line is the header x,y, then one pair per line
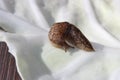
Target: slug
x,y
65,35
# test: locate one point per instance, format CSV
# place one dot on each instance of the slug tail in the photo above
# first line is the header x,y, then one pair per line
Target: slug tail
x,y
77,38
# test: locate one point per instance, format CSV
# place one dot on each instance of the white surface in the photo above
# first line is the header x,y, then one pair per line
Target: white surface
x,y
27,23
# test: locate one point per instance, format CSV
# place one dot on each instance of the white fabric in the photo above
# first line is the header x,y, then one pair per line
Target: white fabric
x,y
27,23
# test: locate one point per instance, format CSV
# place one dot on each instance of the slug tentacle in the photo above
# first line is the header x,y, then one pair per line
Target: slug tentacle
x,y
63,33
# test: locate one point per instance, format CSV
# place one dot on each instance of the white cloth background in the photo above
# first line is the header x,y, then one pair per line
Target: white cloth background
x,y
27,23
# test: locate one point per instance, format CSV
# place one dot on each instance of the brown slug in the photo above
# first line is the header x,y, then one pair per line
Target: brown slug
x,y
65,35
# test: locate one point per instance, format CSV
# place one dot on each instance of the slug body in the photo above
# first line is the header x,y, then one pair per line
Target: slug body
x,y
65,35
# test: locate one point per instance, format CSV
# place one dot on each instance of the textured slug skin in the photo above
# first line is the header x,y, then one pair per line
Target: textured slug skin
x,y
63,33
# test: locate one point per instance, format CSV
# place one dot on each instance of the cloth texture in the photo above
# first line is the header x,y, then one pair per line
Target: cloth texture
x,y
27,23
